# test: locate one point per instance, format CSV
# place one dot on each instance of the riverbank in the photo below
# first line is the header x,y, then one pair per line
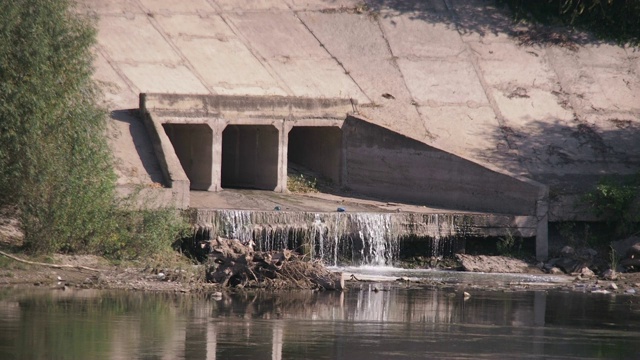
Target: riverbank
x,y
179,276
176,273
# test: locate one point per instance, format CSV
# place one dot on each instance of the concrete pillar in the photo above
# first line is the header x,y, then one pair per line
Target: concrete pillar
x,y
217,127
283,142
542,227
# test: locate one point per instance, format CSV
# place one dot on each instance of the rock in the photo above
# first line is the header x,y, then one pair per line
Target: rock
x,y
630,291
494,264
631,260
622,246
161,276
586,272
601,292
550,264
613,286
466,295
628,263
587,253
567,265
555,271
633,251
567,251
610,274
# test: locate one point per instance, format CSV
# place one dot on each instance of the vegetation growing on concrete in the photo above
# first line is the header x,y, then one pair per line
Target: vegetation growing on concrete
x,y
55,166
618,20
301,184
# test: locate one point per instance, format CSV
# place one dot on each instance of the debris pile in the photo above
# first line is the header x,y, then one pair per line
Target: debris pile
x,y
233,264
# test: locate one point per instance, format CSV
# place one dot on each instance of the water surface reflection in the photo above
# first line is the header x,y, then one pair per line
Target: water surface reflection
x,y
362,323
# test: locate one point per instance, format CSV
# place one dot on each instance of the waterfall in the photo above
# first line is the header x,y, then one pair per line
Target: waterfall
x,y
335,238
379,241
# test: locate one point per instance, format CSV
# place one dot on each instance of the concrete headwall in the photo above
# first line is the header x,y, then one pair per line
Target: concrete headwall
x,y
249,160
246,107
384,164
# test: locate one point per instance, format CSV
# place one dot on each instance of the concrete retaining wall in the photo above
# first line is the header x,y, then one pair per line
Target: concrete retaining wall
x,y
174,175
387,165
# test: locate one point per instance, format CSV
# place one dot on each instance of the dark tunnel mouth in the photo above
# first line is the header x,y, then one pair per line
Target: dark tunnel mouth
x,y
318,149
250,157
192,144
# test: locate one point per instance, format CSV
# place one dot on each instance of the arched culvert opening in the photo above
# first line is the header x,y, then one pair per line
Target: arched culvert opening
x,y
192,144
317,150
250,157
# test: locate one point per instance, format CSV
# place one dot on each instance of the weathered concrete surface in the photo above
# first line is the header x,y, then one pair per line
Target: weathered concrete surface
x,y
306,205
384,164
226,141
299,211
261,135
560,108
246,141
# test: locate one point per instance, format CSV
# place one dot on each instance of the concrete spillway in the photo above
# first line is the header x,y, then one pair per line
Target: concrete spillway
x,y
216,143
340,238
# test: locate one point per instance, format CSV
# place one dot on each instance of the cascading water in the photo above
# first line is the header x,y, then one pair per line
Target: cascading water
x,y
371,239
380,246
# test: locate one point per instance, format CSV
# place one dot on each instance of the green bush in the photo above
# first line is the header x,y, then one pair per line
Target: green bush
x,y
616,203
144,233
612,19
54,160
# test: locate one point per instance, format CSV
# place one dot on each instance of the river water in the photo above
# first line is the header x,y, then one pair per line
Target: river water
x,y
369,321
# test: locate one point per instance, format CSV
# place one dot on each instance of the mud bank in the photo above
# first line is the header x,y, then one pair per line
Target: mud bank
x,y
193,279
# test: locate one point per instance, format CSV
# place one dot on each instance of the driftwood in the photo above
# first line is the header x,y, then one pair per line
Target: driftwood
x,y
236,265
55,266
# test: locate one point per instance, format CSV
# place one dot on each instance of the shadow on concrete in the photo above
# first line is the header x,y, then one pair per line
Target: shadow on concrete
x,y
483,18
578,153
141,142
388,166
